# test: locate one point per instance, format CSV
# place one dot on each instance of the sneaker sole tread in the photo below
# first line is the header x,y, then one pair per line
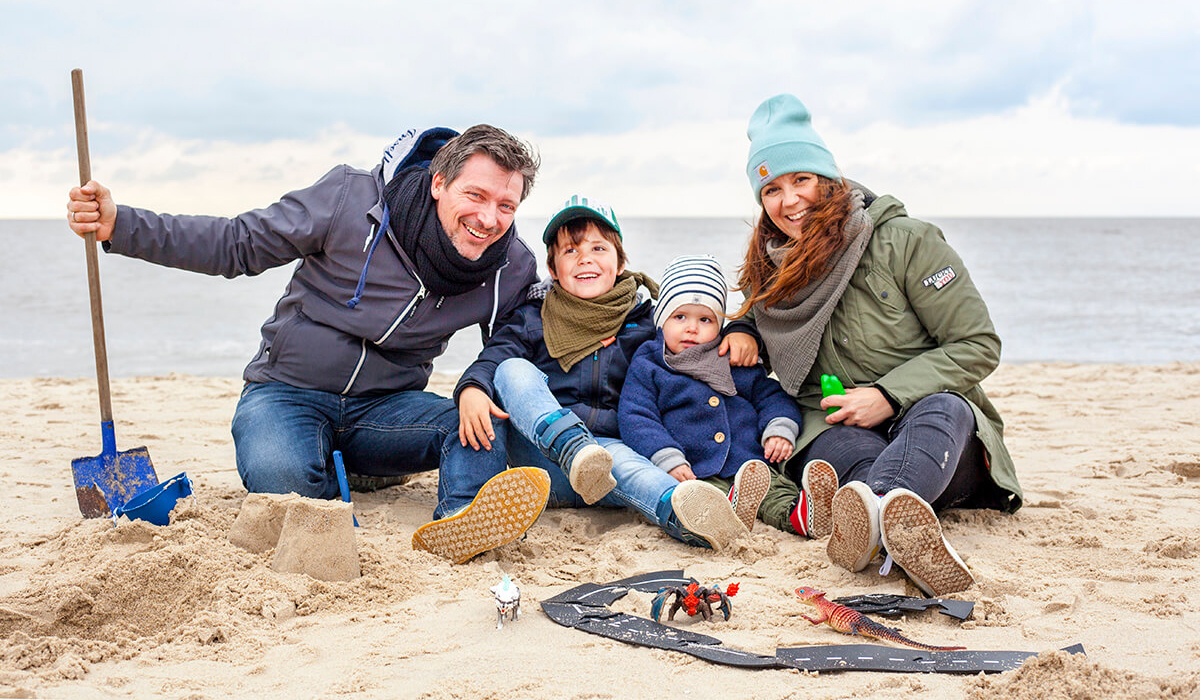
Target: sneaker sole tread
x,y
507,505
917,545
750,486
707,513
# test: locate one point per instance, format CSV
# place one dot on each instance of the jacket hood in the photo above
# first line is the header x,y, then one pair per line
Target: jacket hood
x,y
885,208
412,148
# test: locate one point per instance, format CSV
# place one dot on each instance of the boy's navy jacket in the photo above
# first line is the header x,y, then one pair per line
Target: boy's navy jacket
x,y
661,408
592,387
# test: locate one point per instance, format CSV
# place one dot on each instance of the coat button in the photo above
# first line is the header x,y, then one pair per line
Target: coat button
x,y
883,294
714,401
719,438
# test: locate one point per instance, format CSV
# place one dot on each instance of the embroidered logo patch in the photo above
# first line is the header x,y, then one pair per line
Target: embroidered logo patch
x,y
764,172
940,279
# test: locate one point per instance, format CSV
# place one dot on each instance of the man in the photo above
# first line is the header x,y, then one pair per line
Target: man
x,y
392,263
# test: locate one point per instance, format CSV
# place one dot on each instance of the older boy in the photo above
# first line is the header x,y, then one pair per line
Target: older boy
x,y
557,367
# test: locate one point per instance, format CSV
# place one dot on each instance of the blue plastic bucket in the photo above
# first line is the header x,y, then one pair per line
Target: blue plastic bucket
x,y
154,505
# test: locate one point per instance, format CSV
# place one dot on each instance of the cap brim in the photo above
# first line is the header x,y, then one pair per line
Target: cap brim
x,y
570,214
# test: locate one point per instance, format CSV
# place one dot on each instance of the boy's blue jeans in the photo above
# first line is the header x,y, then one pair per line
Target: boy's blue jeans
x,y
521,390
285,437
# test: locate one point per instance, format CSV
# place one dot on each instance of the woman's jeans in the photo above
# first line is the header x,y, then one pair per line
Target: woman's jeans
x,y
285,436
522,391
932,451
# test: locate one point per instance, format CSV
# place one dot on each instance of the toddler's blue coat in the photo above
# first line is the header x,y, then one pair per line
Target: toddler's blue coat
x,y
661,408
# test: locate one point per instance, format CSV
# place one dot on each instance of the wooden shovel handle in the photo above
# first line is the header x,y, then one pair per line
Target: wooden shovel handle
x,y
93,261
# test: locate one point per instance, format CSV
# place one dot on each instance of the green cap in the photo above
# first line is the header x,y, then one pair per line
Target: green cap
x,y
578,206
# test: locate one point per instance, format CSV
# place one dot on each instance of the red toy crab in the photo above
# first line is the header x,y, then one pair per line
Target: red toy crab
x,y
694,599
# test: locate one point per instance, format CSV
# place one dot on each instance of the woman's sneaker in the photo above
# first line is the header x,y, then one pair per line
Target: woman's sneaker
x,y
704,510
750,486
813,514
913,537
854,540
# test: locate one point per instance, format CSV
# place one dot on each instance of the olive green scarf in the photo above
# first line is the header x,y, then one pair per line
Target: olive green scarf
x,y
574,328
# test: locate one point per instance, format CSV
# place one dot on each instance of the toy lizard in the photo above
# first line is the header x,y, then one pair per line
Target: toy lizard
x,y
849,621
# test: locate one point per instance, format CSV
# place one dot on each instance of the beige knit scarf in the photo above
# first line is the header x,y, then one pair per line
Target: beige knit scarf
x,y
574,328
792,329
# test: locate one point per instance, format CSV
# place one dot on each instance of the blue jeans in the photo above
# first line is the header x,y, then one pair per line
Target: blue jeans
x,y
285,437
521,390
931,451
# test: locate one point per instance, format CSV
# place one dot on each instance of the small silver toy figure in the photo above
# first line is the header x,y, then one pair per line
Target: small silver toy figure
x,y
508,601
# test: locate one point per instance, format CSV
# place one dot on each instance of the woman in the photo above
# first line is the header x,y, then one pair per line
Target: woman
x,y
841,282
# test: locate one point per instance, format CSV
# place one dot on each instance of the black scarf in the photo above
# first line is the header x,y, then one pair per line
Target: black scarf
x,y
415,225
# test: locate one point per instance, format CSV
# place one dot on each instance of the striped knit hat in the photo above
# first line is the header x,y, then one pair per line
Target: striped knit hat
x,y
690,279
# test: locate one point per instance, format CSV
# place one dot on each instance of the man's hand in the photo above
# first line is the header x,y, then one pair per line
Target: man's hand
x,y
742,349
682,473
777,449
91,209
864,406
475,411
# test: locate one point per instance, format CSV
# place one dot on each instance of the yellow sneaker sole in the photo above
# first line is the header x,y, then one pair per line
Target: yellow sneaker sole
x,y
507,505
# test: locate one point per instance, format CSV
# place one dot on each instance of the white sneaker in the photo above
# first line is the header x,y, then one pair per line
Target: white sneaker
x,y
913,537
854,541
507,505
704,510
750,486
591,473
818,485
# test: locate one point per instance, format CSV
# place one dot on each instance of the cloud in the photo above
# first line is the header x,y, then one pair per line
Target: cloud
x,y
644,99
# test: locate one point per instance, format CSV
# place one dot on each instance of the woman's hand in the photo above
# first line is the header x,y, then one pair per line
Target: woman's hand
x,y
777,449
742,349
864,407
475,410
682,473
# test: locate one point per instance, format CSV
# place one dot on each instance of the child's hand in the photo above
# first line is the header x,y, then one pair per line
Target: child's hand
x,y
741,348
682,473
474,418
777,448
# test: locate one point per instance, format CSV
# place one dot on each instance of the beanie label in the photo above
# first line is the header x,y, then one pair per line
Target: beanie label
x,y
764,172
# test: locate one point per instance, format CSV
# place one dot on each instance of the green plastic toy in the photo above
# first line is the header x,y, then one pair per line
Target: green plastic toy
x,y
831,385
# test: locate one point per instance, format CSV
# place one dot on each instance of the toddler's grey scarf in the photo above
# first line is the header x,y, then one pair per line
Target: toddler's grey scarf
x,y
703,363
792,329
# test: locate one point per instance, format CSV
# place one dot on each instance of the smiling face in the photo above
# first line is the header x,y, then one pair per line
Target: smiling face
x,y
787,198
688,325
478,206
588,268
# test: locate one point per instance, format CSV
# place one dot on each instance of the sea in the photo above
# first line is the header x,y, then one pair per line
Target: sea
x,y
1059,290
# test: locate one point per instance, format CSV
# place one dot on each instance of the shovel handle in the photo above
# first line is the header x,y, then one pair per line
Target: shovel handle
x,y
93,261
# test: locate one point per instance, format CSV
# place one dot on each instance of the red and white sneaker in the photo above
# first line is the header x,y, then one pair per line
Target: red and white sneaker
x,y
813,514
750,486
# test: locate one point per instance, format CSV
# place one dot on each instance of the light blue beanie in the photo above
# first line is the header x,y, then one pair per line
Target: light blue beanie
x,y
782,140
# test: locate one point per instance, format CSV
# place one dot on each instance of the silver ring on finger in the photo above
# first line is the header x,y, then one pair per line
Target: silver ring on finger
x,y
72,216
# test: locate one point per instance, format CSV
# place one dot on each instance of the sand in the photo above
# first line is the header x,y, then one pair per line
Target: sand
x,y
1106,553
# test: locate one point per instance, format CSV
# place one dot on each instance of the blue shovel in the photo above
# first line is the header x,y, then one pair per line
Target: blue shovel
x,y
107,481
339,467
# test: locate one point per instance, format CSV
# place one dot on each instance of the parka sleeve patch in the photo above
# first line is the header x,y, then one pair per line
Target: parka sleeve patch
x,y
940,279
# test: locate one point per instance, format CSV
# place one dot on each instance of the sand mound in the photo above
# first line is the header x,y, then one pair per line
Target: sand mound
x,y
1057,675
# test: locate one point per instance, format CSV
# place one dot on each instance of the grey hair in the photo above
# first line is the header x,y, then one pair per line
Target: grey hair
x,y
506,150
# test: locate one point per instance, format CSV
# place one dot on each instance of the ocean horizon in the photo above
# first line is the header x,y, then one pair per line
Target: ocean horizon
x,y
1059,289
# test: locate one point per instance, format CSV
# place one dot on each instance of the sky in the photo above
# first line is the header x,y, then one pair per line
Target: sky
x,y
974,108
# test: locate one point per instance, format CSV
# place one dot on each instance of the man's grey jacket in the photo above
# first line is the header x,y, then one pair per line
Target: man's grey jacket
x,y
314,340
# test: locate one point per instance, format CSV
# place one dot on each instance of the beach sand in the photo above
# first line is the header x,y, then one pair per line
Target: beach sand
x,y
1106,553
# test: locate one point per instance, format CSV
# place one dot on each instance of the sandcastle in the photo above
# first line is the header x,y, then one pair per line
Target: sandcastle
x,y
310,536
